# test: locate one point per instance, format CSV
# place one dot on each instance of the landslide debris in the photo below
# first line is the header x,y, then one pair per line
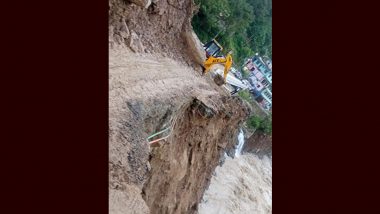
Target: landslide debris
x,y
155,82
182,166
164,27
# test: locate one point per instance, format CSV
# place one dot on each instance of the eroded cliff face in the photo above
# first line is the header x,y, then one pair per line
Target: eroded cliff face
x,y
182,166
147,95
155,83
259,144
163,28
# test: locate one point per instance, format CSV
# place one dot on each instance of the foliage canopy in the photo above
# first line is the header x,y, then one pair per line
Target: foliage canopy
x,y
243,26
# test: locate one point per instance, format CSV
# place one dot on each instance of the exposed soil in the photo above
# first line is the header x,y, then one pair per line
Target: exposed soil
x,y
182,167
259,144
147,95
164,28
155,83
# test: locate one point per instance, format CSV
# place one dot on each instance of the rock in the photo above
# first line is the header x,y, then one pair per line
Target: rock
x,y
111,40
141,47
142,3
153,9
194,45
118,39
135,43
219,80
148,166
161,12
110,31
231,152
124,34
123,27
222,160
202,109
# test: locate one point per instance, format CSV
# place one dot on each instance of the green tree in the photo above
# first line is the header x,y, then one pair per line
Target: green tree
x,y
263,125
242,26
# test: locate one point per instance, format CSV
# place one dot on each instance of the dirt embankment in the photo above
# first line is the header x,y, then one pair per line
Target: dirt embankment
x,y
182,167
259,144
163,28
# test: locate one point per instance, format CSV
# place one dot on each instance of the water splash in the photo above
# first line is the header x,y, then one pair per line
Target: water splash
x,y
240,144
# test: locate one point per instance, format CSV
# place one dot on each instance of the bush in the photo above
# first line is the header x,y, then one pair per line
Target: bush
x,y
253,122
263,125
260,123
266,125
245,95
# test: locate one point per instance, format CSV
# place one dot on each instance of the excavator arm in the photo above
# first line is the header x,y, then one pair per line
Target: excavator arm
x,y
219,60
227,66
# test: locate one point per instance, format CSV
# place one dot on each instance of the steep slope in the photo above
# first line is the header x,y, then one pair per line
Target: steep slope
x,y
142,91
259,144
155,83
147,95
163,28
182,167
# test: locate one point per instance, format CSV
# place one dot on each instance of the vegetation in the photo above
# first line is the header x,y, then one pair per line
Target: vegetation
x,y
243,26
245,95
245,73
255,122
263,125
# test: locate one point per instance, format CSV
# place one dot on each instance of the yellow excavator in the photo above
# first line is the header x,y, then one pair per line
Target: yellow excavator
x,y
213,49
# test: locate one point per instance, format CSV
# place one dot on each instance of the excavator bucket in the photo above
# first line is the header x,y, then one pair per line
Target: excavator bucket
x,y
219,80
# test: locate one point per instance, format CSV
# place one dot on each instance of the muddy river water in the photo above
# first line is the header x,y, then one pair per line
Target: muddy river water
x,y
241,185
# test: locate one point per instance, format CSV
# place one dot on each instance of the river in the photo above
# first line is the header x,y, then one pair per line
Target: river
x,y
241,185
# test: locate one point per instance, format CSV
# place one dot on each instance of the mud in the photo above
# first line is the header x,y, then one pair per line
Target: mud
x,y
259,144
182,166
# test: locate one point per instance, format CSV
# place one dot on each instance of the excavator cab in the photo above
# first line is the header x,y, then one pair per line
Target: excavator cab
x,y
212,48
